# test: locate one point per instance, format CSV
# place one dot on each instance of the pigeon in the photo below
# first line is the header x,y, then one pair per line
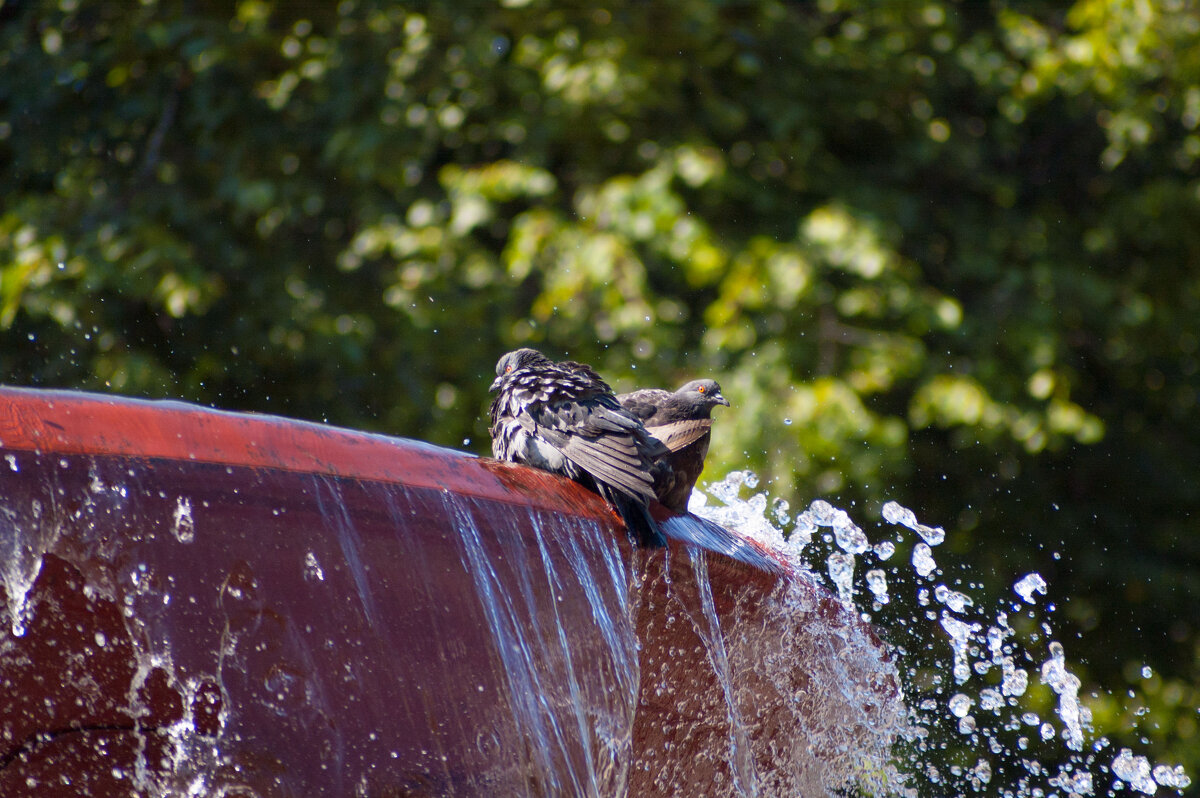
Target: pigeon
x,y
682,422
563,418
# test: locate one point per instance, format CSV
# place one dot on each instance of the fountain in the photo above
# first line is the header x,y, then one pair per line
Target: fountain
x,y
216,604
206,603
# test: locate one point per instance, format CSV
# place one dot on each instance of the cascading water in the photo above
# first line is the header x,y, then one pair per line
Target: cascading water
x,y
575,720
966,731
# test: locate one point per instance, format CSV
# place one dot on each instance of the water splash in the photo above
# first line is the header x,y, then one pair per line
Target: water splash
x,y
980,711
312,568
841,570
16,574
184,527
1028,586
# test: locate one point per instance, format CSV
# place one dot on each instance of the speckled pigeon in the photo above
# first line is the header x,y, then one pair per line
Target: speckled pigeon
x,y
682,421
562,417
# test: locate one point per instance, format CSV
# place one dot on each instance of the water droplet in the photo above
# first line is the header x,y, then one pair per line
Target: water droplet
x,y
960,705
922,560
841,571
877,582
848,535
1028,585
895,513
312,568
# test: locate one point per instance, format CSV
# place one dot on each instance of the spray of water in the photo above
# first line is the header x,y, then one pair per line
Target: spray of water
x,y
966,668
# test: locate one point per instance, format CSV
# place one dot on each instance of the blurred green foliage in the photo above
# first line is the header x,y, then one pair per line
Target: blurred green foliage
x,y
941,252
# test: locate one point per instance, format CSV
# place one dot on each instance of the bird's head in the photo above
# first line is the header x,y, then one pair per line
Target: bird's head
x,y
705,391
515,361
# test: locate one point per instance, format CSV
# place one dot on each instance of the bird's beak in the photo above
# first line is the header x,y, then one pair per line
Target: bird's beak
x,y
495,386
721,400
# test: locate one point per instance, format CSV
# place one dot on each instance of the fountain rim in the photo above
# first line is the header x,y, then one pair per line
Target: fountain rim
x,y
72,422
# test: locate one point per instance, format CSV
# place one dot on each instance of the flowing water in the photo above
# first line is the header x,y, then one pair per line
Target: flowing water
x,y
965,668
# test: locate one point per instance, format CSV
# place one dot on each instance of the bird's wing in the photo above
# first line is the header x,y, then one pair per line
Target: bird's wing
x,y
644,403
601,440
614,461
678,434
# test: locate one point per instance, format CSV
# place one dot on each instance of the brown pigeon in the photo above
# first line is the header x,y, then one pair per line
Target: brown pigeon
x,y
682,421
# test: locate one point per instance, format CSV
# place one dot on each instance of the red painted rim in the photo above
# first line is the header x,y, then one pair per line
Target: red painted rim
x,y
79,423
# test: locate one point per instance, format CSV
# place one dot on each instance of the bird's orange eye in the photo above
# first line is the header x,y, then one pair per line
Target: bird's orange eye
x,y
507,369
701,389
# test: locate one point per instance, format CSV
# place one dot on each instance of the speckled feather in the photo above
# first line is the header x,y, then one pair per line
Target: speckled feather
x,y
563,417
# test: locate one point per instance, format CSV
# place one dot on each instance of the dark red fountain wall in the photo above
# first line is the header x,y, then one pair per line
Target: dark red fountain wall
x,y
222,604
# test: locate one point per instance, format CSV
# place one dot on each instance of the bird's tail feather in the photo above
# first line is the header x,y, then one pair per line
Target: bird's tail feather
x,y
641,525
